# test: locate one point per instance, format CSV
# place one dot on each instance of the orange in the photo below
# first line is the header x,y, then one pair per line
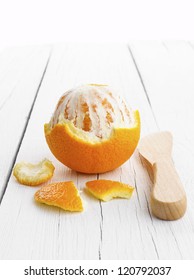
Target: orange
x,y
62,194
92,129
106,190
33,174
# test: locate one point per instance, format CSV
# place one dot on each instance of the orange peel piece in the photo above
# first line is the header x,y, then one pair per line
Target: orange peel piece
x,y
64,195
33,174
106,189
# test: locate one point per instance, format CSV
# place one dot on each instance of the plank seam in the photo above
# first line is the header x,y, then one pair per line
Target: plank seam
x,y
101,231
4,187
8,97
101,227
165,46
177,244
148,208
142,83
135,184
190,44
154,243
139,227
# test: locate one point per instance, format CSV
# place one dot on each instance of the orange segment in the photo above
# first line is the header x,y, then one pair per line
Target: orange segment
x,y
92,130
106,190
62,194
33,174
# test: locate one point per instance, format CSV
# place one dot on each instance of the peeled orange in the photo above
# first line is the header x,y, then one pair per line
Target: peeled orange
x,y
92,129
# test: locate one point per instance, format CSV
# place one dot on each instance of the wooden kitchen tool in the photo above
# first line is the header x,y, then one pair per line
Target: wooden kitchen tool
x,y
168,198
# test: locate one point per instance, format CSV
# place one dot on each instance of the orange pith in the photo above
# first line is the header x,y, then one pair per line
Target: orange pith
x,y
62,194
33,174
106,189
95,134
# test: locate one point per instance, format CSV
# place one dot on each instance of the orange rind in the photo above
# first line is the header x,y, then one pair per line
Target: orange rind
x,y
61,194
106,189
92,129
33,174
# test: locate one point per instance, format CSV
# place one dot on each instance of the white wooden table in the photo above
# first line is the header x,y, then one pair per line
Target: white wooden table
x,y
158,79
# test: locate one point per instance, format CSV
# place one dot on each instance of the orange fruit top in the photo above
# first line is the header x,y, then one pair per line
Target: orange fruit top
x,y
92,129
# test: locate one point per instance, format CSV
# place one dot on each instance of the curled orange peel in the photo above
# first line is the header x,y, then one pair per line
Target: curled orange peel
x,y
33,174
87,157
106,189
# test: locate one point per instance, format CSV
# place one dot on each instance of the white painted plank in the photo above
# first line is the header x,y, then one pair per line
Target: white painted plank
x,y
53,234
119,229
112,65
36,231
21,70
167,71
123,235
138,239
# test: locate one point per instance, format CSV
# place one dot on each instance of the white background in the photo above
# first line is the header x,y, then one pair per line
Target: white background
x,y
47,21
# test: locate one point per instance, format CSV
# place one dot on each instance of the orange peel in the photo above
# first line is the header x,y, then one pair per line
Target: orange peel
x,y
33,174
106,189
61,194
92,130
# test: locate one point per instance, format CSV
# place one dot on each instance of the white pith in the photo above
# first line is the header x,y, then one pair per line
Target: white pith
x,y
93,95
33,170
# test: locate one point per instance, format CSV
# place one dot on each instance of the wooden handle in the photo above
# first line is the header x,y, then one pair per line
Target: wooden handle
x,y
168,198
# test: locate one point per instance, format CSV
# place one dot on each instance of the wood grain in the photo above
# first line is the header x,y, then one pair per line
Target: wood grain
x,y
168,199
